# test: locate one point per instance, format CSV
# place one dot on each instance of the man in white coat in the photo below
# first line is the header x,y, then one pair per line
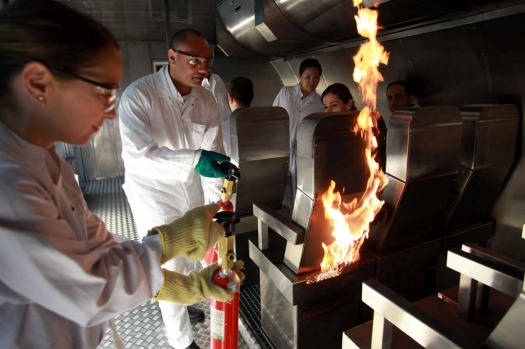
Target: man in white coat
x,y
171,140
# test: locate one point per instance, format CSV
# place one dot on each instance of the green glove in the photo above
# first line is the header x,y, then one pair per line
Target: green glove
x,y
208,164
182,289
190,235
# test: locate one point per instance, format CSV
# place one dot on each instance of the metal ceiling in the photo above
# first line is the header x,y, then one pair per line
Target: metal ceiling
x,y
145,20
272,28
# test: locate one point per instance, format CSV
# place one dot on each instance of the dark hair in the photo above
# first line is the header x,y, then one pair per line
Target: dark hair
x,y
241,89
183,36
310,63
409,90
48,32
341,91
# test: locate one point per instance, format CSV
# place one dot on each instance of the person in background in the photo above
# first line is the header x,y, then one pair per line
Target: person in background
x,y
399,94
240,93
171,143
337,98
299,101
215,85
63,275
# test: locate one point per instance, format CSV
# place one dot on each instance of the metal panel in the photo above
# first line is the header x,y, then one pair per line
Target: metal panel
x,y
509,332
423,142
141,20
489,135
261,147
239,18
487,154
423,153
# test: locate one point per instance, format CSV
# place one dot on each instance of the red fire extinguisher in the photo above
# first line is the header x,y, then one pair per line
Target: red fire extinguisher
x,y
224,316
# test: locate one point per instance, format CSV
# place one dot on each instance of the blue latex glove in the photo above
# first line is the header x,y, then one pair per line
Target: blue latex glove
x,y
208,164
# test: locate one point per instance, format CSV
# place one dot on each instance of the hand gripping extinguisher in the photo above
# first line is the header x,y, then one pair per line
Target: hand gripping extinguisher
x,y
224,316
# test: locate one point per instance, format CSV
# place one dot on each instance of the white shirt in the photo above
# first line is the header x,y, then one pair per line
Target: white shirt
x,y
216,86
62,274
160,132
289,97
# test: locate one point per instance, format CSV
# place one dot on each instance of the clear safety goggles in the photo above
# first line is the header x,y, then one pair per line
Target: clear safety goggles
x,y
108,91
196,60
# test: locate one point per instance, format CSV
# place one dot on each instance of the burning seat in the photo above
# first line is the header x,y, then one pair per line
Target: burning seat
x,y
300,308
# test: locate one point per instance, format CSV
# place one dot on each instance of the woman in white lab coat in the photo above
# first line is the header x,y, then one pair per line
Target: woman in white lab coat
x,y
299,101
63,276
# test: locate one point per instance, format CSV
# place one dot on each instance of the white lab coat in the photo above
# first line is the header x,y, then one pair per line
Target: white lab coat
x,y
216,86
289,97
160,132
62,274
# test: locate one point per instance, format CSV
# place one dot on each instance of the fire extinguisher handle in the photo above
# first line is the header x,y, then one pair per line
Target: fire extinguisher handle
x,y
228,219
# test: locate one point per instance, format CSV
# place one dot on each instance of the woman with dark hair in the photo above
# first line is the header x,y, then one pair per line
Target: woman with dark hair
x,y
63,276
337,98
299,101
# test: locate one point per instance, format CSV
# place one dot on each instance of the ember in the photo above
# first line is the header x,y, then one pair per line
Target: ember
x,y
351,221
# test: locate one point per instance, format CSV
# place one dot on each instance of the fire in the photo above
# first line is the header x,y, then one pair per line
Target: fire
x,y
351,221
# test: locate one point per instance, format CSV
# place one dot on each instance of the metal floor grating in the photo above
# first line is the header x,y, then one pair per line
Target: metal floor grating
x,y
250,313
142,327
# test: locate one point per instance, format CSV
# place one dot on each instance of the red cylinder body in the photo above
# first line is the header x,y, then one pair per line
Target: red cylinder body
x,y
224,316
225,205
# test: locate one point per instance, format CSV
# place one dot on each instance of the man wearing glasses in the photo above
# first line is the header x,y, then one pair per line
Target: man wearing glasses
x,y
171,143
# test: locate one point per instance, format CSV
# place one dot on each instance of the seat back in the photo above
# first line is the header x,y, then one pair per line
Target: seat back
x,y
488,149
327,149
422,159
261,148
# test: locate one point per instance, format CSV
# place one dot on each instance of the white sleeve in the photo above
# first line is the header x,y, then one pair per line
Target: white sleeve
x,y
139,150
212,186
72,267
279,99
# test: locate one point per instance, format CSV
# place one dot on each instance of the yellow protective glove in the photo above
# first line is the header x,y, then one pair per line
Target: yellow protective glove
x,y
182,289
190,235
237,267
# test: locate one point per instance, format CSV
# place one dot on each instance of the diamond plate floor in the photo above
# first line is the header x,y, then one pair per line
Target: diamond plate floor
x,y
143,327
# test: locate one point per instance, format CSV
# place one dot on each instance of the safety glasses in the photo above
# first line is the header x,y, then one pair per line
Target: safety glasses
x,y
108,91
196,60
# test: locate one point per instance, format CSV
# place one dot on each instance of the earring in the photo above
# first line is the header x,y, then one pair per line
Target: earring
x,y
41,98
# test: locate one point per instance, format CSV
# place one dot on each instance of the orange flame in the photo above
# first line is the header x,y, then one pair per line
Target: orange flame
x,y
351,221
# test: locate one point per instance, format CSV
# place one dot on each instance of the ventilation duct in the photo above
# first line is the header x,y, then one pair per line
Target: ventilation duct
x,y
280,28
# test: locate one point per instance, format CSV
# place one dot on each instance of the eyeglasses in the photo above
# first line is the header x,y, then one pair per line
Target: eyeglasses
x,y
197,60
112,97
